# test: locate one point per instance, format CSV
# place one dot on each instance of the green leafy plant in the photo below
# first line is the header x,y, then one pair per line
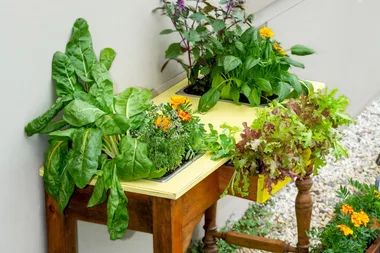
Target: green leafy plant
x,y
239,62
172,132
201,27
254,68
355,224
98,132
254,222
290,139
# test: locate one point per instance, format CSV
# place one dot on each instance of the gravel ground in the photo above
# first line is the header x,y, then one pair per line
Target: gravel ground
x,y
362,141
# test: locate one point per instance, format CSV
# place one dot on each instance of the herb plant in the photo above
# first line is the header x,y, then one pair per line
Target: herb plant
x,y
97,133
356,222
172,132
285,140
201,27
254,67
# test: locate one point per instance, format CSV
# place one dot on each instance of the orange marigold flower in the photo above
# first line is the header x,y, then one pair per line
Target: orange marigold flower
x,y
158,121
359,218
185,116
277,48
266,32
346,230
364,218
347,209
176,101
377,194
163,122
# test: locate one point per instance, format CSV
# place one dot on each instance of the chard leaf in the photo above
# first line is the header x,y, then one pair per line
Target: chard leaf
x,y
66,189
37,125
54,126
103,90
55,157
107,55
99,194
80,50
133,162
117,214
63,74
132,101
79,113
66,134
112,124
84,155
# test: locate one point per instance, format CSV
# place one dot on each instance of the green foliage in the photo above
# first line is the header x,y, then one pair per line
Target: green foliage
x,y
254,222
290,139
102,134
255,67
202,27
241,61
173,135
364,204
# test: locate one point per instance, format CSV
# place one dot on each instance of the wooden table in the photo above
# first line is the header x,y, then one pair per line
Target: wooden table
x,y
170,210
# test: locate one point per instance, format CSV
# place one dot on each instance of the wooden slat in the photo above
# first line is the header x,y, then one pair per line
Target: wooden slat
x,y
255,242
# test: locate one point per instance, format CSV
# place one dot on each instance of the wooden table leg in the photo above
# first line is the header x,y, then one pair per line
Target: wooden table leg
x,y
210,227
304,205
167,226
61,229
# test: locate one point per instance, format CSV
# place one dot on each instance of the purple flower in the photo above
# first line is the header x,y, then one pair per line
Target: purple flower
x,y
233,3
181,4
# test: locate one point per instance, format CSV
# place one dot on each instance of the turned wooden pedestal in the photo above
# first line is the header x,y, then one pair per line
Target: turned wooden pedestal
x,y
303,209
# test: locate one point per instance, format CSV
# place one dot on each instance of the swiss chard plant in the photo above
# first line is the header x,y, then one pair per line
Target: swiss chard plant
x,y
94,134
290,139
254,68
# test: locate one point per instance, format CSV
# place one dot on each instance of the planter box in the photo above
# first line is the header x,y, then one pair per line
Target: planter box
x,y
257,192
375,247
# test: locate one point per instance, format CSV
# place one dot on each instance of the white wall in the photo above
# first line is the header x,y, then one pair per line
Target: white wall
x,y
344,32
346,36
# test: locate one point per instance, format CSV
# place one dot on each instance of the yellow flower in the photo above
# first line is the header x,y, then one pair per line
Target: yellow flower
x,y
277,48
176,101
266,32
346,230
185,116
163,122
364,218
282,52
347,209
377,194
359,218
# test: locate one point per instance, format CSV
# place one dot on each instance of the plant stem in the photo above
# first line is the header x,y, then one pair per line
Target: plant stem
x,y
114,144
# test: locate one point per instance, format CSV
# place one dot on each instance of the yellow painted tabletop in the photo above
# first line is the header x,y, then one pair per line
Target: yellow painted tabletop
x,y
174,188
